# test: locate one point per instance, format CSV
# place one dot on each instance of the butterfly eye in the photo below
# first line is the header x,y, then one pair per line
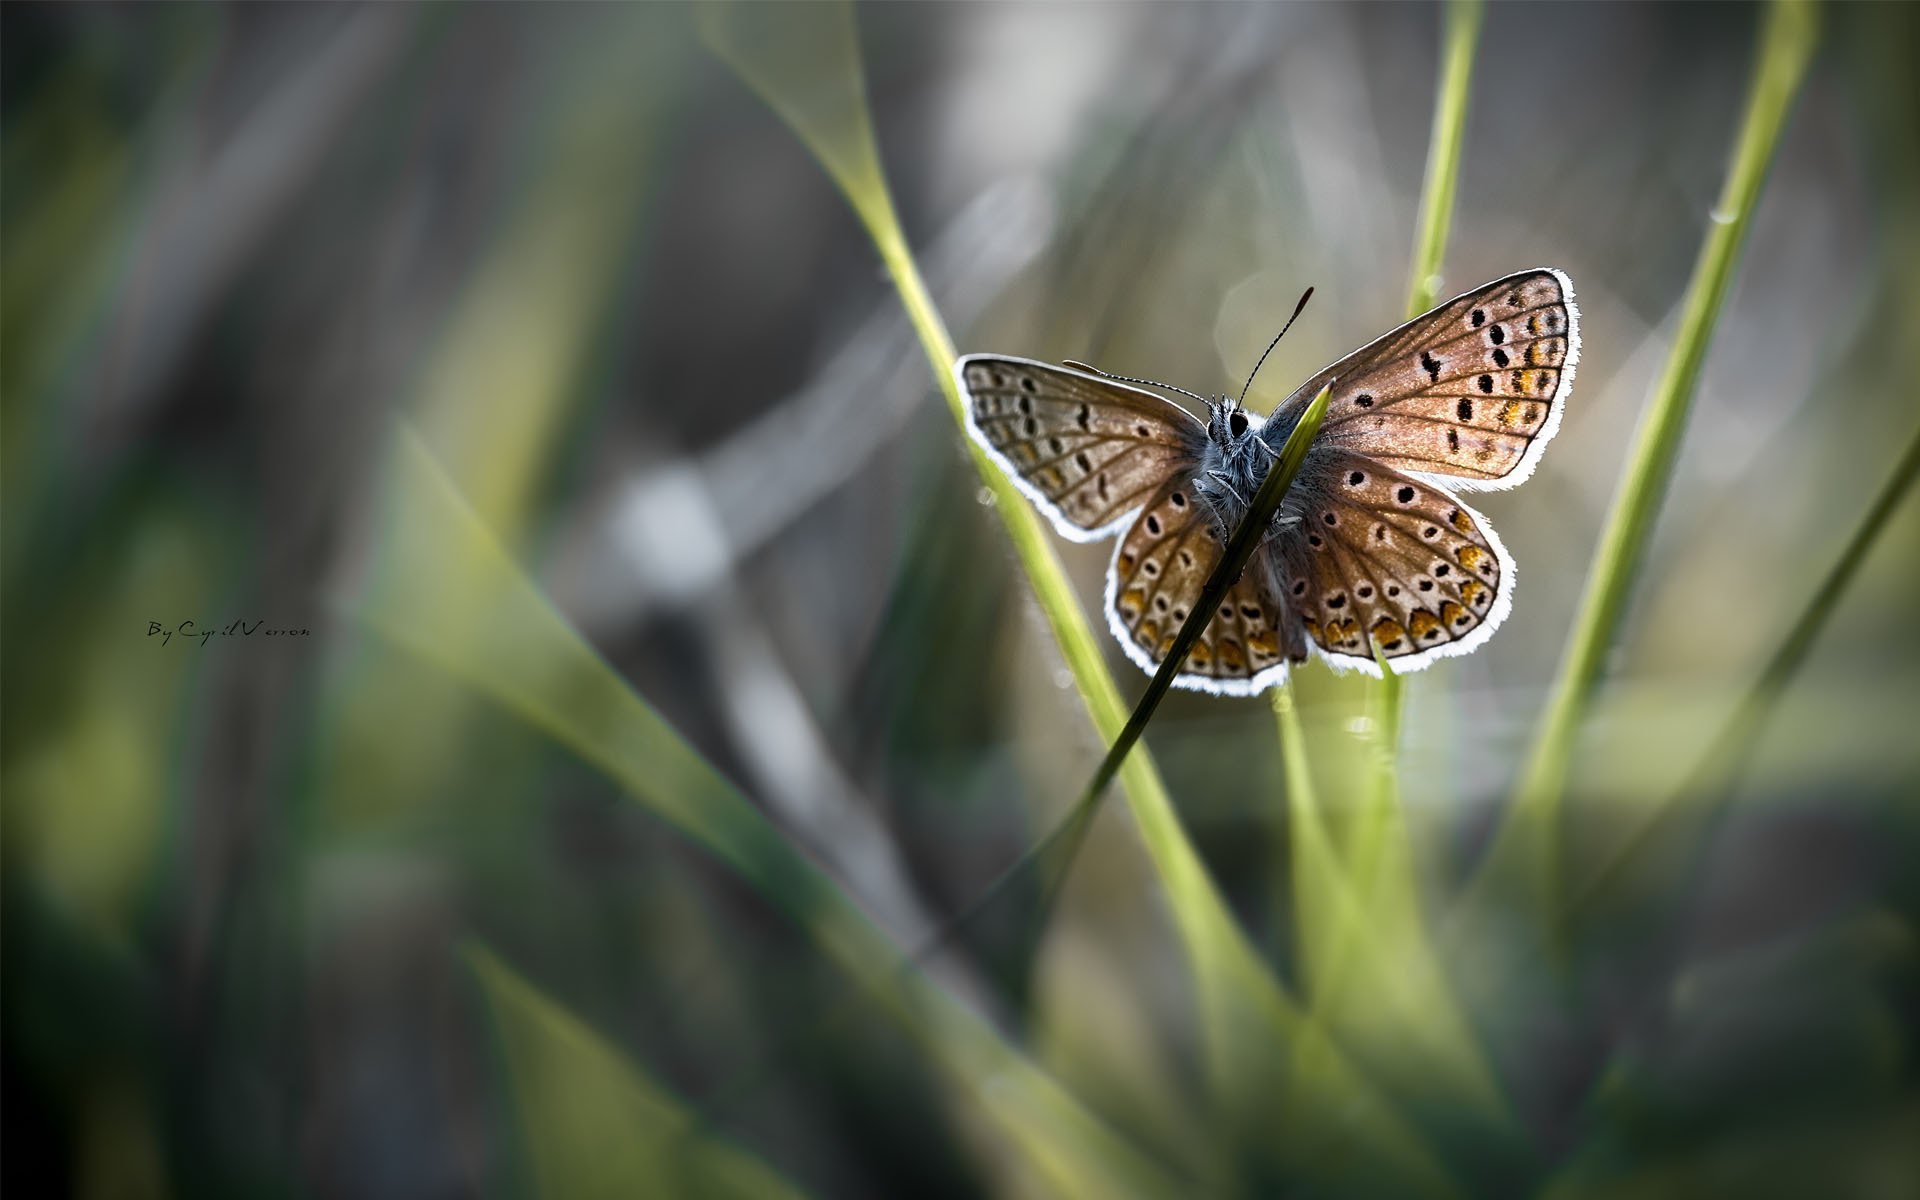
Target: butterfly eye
x,y
1237,423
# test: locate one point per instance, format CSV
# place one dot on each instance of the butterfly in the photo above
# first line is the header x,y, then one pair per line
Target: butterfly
x,y
1372,546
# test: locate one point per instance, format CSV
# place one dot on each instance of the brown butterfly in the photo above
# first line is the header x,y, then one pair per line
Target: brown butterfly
x,y
1370,548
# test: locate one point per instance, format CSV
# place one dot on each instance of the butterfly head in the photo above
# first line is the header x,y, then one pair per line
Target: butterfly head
x,y
1228,425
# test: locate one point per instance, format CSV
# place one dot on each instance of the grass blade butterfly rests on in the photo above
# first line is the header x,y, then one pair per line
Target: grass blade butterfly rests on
x,y
1226,575
1055,852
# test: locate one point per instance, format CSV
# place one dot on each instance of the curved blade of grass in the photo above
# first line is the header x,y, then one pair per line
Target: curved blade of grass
x,y
1528,839
803,61
445,589
497,386
594,1122
1709,783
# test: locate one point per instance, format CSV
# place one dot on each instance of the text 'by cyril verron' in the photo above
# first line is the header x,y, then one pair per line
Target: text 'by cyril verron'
x,y
189,630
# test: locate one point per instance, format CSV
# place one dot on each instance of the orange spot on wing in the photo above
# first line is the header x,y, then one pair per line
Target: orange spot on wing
x,y
1149,632
1231,655
1471,557
1132,601
1462,521
1389,633
1452,614
1470,591
1423,623
1264,645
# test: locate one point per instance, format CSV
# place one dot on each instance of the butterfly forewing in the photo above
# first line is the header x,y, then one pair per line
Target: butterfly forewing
x,y
1088,451
1388,559
1159,569
1472,390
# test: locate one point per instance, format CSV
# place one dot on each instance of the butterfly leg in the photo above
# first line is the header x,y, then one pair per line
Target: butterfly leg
x,y
1226,481
1269,449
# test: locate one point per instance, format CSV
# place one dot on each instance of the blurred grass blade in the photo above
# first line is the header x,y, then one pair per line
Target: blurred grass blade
x,y
594,1123
497,391
445,589
1720,767
1527,841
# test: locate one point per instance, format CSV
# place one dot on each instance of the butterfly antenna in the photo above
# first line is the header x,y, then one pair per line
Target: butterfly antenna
x,y
1304,297
1080,366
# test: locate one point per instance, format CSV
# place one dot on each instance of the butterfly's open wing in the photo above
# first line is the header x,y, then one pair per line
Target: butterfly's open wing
x,y
1159,569
1472,391
1088,451
1388,558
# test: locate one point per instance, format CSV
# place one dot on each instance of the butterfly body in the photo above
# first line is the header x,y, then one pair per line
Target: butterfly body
x,y
1370,551
1233,463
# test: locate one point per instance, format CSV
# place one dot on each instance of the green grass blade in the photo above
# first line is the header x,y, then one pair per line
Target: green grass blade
x,y
595,1123
498,387
445,589
1528,839
1719,768
803,60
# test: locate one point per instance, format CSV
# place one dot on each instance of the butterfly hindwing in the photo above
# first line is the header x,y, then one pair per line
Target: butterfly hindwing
x,y
1381,557
1472,390
1158,571
1088,451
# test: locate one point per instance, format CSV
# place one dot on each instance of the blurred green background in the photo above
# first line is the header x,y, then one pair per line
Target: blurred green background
x,y
649,670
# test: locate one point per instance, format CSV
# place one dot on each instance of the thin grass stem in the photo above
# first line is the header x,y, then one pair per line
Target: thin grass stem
x,y
1449,131
1528,839
1444,142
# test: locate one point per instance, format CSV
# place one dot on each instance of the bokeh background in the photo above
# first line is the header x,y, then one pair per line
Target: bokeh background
x,y
335,318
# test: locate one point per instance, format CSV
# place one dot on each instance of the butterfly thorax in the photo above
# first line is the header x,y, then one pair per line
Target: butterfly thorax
x,y
1240,448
